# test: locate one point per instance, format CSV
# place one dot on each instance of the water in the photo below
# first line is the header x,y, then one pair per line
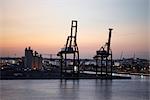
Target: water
x,y
134,89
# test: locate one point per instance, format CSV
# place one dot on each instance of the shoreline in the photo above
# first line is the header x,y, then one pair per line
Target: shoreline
x,y
55,75
127,73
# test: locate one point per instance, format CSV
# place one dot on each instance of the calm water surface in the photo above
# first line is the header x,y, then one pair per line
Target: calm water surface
x,y
134,89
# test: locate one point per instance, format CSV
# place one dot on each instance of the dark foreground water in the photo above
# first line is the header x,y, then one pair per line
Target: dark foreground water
x,y
134,89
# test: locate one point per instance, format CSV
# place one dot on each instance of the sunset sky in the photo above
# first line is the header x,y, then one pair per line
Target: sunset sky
x,y
45,24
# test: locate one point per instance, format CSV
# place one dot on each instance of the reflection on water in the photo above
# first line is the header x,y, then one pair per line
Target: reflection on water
x,y
104,88
135,89
69,90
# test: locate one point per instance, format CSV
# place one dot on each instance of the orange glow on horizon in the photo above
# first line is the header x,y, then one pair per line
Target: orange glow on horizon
x,y
45,25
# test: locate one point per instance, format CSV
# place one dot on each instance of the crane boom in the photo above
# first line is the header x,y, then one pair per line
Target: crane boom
x,y
109,40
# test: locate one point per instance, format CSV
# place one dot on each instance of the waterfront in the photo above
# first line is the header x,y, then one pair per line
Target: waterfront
x,y
135,89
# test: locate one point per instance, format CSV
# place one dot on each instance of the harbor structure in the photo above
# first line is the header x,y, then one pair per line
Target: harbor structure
x,y
103,58
32,60
69,55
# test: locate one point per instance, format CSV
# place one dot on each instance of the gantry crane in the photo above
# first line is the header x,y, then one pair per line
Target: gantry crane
x,y
103,58
70,48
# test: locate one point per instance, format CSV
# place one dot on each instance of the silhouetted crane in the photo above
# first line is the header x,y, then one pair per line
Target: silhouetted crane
x,y
104,55
70,48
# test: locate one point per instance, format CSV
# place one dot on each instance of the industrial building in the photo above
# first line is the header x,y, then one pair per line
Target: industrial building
x,y
32,60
